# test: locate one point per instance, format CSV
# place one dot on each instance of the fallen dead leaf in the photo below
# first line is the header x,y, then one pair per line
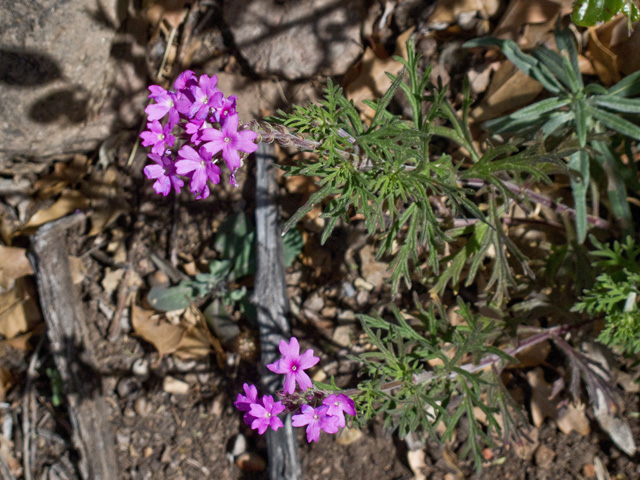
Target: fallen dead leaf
x,y
573,418
19,311
527,22
78,269
13,265
541,406
417,464
368,79
165,337
6,382
509,89
448,12
69,201
616,427
112,279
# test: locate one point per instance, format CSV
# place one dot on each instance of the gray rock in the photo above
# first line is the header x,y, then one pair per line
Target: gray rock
x,y
63,87
297,38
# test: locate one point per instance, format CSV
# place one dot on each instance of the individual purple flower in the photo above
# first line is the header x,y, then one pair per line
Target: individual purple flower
x,y
158,137
199,166
293,365
244,402
186,79
205,96
165,103
315,419
338,405
265,414
195,127
226,110
164,171
229,140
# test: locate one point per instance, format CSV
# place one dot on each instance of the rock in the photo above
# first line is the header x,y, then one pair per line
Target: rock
x,y
62,82
296,39
373,271
142,406
140,368
544,456
314,302
342,336
174,386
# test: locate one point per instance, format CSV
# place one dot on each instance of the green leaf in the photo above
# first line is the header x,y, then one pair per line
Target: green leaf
x,y
579,161
167,299
629,86
541,107
587,13
230,235
615,122
622,105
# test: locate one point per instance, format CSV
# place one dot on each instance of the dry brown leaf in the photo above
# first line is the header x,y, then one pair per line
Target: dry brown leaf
x,y
172,11
6,382
19,310
509,90
13,265
541,406
448,12
417,464
369,76
164,336
604,61
198,341
63,175
574,418
534,355
111,280
69,201
78,269
613,51
521,16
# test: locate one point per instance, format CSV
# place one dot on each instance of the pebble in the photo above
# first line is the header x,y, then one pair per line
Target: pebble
x,y
174,386
314,302
140,368
126,387
342,336
251,462
361,284
142,406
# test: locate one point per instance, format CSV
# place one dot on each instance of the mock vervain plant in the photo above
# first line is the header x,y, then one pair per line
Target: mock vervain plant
x,y
441,220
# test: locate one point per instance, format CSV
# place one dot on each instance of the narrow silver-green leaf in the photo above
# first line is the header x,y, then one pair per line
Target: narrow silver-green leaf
x,y
614,122
579,162
618,104
629,86
541,107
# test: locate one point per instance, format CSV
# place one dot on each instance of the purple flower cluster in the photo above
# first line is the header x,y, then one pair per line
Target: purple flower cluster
x,y
318,412
209,132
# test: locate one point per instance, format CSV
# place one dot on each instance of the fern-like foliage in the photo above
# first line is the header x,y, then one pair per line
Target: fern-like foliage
x,y
416,375
615,294
388,172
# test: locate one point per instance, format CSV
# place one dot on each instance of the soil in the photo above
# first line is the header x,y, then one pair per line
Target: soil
x,y
199,434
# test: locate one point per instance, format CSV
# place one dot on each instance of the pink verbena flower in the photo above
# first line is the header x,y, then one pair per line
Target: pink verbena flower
x,y
316,419
165,103
200,167
205,97
244,402
265,414
158,137
293,365
338,405
226,110
229,140
164,171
